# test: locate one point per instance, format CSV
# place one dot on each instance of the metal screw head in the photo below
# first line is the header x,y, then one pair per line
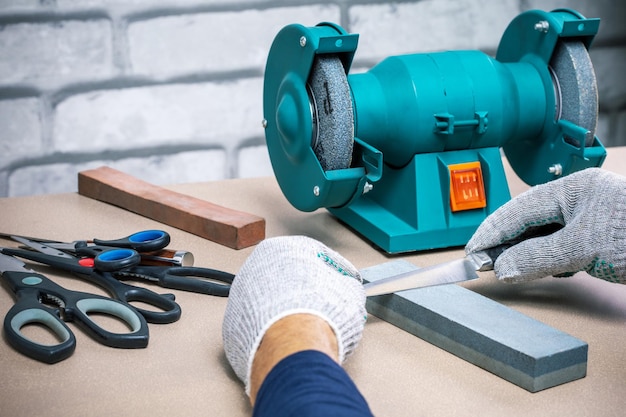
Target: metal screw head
x,y
542,26
303,41
316,191
264,123
556,169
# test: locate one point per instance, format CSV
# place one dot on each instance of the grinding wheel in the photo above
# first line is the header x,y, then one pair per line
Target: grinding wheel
x,y
333,118
575,86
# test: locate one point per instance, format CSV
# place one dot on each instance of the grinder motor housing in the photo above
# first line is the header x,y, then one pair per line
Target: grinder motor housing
x,y
408,153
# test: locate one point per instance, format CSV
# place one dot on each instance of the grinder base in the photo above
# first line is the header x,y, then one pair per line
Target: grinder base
x,y
409,208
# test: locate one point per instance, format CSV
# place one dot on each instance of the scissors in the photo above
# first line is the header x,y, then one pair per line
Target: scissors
x,y
143,241
105,259
182,278
106,253
123,264
170,310
33,290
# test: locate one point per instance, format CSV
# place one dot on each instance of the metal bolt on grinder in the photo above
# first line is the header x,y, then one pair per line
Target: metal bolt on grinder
x,y
408,153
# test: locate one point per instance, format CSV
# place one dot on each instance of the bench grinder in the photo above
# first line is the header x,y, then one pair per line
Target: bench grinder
x,y
408,153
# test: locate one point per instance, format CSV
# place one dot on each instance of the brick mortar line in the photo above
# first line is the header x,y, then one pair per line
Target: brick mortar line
x,y
125,81
113,155
46,120
231,149
119,44
47,16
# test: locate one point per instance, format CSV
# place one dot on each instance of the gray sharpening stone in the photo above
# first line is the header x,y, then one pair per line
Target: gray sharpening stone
x,y
479,330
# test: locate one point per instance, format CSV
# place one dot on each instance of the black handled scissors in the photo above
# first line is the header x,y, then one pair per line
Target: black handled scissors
x,y
195,279
170,310
31,290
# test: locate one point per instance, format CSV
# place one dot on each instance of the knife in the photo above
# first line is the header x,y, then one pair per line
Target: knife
x,y
458,270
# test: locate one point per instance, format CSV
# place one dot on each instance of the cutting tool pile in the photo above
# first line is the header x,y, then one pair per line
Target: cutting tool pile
x,y
105,263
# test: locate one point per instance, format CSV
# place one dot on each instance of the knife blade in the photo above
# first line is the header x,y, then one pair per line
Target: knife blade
x,y
458,270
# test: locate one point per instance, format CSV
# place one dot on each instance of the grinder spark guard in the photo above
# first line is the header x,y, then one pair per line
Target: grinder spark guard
x,y
408,153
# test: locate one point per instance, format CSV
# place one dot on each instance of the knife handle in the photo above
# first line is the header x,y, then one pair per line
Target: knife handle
x,y
486,258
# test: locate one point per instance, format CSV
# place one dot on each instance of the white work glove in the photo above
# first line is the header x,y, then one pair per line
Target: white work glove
x,y
590,205
290,275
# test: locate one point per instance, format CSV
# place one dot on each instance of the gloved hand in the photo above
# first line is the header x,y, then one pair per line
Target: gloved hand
x,y
289,275
591,207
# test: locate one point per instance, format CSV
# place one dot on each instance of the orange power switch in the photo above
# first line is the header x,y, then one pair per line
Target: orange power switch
x,y
467,190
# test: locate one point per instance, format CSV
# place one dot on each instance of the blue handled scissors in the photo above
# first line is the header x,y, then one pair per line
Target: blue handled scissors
x,y
104,258
98,249
144,241
169,310
32,290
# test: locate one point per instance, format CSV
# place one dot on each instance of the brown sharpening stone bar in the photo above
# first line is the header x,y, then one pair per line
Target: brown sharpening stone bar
x,y
479,330
222,225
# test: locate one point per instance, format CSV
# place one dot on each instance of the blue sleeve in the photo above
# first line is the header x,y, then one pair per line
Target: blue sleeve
x,y
309,384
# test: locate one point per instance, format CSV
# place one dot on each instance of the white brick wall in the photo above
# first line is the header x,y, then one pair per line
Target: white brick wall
x,y
209,113
53,54
21,129
171,90
220,41
430,25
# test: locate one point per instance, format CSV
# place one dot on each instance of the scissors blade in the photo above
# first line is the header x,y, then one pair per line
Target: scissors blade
x,y
40,247
12,236
9,263
61,246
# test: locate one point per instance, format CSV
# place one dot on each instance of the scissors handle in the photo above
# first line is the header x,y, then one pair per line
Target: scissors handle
x,y
115,259
30,288
169,311
81,312
200,280
144,241
107,258
30,312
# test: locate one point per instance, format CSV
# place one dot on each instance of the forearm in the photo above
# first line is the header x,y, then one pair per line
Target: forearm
x,y
291,334
283,277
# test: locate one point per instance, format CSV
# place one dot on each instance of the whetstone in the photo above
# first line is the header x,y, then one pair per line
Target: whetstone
x,y
232,228
479,330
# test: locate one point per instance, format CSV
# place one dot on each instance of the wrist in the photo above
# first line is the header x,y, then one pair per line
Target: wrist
x,y
289,335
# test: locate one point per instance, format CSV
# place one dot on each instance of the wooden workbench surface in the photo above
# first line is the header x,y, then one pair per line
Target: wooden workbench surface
x,y
183,372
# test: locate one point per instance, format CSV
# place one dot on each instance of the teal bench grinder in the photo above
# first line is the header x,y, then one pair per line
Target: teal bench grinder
x,y
408,153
